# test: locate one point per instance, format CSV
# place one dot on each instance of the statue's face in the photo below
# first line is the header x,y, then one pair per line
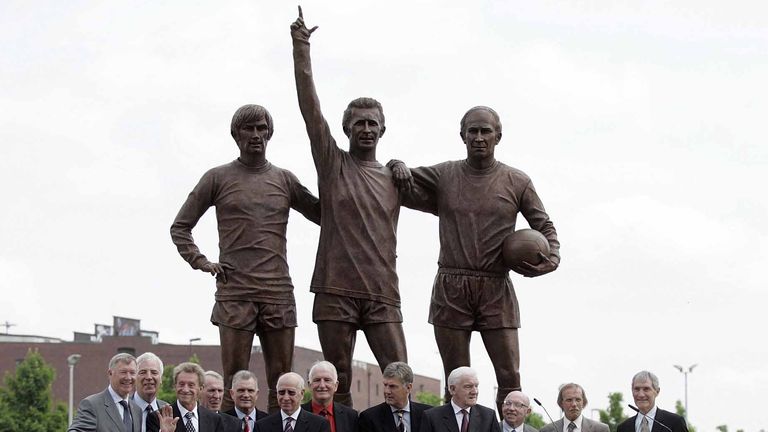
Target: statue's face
x,y
364,128
480,135
252,137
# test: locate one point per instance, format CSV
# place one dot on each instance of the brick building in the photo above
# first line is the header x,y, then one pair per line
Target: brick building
x,y
96,349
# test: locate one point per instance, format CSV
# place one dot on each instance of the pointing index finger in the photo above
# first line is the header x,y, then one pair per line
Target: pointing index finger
x,y
301,15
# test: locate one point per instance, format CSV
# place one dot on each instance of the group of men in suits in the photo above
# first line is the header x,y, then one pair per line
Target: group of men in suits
x,y
130,404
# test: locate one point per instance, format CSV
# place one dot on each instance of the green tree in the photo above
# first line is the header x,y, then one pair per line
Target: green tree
x,y
722,428
26,399
535,420
615,412
680,410
429,398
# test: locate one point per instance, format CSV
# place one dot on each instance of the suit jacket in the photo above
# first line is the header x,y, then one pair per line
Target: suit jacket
x,y
208,420
99,413
587,425
443,419
379,418
526,427
234,424
153,420
307,422
345,417
671,420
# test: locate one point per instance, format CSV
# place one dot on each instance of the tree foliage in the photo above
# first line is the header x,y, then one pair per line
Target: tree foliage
x,y
615,412
26,399
680,410
429,398
535,420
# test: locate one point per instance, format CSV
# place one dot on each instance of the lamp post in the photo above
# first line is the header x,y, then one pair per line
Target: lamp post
x,y
685,373
190,344
72,361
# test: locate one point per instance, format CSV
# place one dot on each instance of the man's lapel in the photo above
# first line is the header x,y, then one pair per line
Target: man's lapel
x,y
449,418
111,408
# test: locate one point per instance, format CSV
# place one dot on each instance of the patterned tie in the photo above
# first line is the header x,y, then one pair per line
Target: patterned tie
x,y
644,425
571,426
400,420
464,420
127,423
288,427
190,427
247,424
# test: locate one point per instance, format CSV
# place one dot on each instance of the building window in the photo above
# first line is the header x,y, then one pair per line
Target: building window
x,y
377,389
358,386
421,388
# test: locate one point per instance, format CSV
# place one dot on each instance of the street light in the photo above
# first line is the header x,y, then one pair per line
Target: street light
x,y
72,361
685,373
190,344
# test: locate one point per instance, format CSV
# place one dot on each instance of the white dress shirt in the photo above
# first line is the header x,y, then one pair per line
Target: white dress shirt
x,y
195,419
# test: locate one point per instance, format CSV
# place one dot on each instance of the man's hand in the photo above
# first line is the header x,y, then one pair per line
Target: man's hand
x,y
401,175
167,422
217,269
529,270
299,31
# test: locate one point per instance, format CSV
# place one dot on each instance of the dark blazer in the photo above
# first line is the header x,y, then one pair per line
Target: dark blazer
x,y
153,420
526,427
307,422
345,417
442,419
230,415
99,413
208,420
671,420
379,418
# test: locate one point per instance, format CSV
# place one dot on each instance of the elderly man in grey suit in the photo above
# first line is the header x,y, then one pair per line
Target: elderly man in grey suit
x,y
572,400
462,413
149,380
515,409
111,410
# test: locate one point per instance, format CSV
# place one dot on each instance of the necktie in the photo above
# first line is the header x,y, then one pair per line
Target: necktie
x,y
513,430
400,420
644,425
190,427
464,420
571,426
148,423
247,424
288,427
127,423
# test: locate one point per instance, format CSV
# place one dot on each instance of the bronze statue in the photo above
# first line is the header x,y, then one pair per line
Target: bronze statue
x,y
354,281
477,201
254,293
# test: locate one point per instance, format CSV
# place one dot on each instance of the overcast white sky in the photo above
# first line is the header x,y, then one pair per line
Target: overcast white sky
x,y
639,123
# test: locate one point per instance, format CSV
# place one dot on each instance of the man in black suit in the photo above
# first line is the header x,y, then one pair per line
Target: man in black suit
x,y
148,381
245,393
645,388
187,415
463,414
323,383
397,413
290,418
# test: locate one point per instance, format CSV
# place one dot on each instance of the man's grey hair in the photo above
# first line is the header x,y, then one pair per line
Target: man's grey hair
x,y
213,374
148,356
244,375
649,376
399,371
459,373
121,358
324,366
189,367
293,378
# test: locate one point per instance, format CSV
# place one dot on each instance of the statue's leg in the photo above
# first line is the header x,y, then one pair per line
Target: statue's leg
x,y
277,347
453,345
337,340
235,356
504,350
387,341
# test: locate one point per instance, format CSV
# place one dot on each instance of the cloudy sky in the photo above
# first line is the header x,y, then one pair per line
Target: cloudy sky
x,y
638,122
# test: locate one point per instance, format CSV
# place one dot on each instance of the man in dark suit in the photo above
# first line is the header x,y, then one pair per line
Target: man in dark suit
x,y
245,393
645,388
397,408
188,381
572,400
462,414
515,409
149,379
112,409
323,383
290,418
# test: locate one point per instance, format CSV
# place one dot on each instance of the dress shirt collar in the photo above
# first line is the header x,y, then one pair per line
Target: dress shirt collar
x,y
577,422
241,414
294,415
316,408
457,408
639,418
